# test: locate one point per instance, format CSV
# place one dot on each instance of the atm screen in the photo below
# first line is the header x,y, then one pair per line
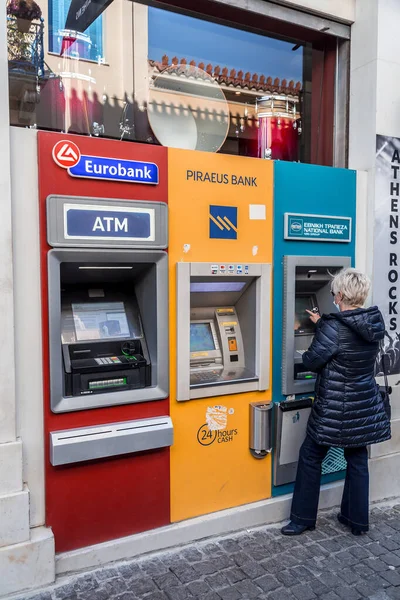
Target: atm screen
x,y
201,337
100,321
302,323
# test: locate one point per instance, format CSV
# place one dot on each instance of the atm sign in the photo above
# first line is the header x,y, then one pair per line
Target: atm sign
x,y
93,222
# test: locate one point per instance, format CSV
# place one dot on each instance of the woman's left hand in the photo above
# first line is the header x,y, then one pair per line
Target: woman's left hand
x,y
314,317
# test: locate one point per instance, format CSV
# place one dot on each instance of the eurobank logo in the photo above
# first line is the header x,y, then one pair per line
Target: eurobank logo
x,y
67,155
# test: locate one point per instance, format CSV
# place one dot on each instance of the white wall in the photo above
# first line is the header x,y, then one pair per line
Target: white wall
x,y
27,307
388,69
374,109
7,381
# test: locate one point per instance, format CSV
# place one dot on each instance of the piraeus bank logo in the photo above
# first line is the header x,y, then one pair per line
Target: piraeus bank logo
x,y
67,155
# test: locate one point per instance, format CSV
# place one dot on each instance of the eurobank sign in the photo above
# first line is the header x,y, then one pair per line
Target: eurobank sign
x,y
67,155
115,169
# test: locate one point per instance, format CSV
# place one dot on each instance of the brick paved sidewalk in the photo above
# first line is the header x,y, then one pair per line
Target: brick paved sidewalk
x,y
329,563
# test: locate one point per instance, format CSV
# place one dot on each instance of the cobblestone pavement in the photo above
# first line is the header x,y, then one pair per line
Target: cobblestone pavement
x,y
328,563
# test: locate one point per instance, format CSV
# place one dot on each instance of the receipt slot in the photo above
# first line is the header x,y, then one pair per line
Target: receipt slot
x,y
307,285
222,330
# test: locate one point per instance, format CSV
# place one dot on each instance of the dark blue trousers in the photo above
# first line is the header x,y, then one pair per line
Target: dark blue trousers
x,y
355,499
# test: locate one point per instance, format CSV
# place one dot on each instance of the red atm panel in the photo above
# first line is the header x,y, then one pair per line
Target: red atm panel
x,y
95,501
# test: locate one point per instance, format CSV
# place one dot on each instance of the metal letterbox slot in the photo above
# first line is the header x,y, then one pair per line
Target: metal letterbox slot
x,y
114,439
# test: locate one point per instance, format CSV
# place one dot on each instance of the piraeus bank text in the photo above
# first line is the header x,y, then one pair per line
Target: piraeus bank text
x,y
221,178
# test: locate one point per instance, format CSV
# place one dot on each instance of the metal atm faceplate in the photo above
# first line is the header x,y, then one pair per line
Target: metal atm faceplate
x,y
233,303
304,276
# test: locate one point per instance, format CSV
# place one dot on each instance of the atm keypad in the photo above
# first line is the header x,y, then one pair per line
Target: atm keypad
x,y
204,376
108,360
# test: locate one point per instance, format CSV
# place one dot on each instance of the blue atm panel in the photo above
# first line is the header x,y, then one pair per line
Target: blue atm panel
x,y
314,216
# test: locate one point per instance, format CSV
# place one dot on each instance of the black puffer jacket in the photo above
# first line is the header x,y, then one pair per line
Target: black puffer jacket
x,y
348,410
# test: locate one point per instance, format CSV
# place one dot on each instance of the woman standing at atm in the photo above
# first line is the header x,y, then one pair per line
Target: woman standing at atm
x,y
348,411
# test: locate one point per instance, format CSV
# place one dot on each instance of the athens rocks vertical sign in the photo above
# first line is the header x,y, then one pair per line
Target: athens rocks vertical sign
x,y
386,283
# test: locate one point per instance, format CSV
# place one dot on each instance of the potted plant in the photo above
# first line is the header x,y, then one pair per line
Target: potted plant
x,y
25,11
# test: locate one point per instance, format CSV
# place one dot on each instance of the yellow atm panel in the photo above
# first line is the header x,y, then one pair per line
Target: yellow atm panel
x,y
220,234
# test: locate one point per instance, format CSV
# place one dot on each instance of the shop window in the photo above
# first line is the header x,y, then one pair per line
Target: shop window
x,y
253,87
261,77
87,45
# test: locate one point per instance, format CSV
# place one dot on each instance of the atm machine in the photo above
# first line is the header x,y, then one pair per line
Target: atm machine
x,y
220,255
107,313
221,336
307,287
104,269
216,347
108,384
305,260
103,343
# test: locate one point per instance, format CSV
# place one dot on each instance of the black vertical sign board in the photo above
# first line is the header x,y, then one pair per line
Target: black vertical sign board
x,y
82,13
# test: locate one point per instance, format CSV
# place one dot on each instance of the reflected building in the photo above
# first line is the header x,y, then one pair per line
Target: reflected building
x,y
120,96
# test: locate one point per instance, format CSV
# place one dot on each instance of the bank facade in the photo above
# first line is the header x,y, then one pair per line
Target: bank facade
x,y
177,188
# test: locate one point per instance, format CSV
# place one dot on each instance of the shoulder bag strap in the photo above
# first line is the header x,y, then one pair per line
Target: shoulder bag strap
x,y
388,388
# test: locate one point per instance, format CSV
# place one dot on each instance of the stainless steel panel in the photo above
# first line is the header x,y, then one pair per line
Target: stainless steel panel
x,y
260,426
290,428
293,428
257,335
112,439
289,384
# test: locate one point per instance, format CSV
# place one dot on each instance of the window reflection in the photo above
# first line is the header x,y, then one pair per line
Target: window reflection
x,y
140,73
261,78
87,45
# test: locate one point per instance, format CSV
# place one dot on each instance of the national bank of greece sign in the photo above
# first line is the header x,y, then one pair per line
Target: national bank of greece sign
x,y
317,228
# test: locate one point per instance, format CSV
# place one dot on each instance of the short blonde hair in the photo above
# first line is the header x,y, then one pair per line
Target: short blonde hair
x,y
353,285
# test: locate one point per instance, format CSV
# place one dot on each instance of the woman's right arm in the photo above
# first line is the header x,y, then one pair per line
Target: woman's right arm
x,y
324,345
